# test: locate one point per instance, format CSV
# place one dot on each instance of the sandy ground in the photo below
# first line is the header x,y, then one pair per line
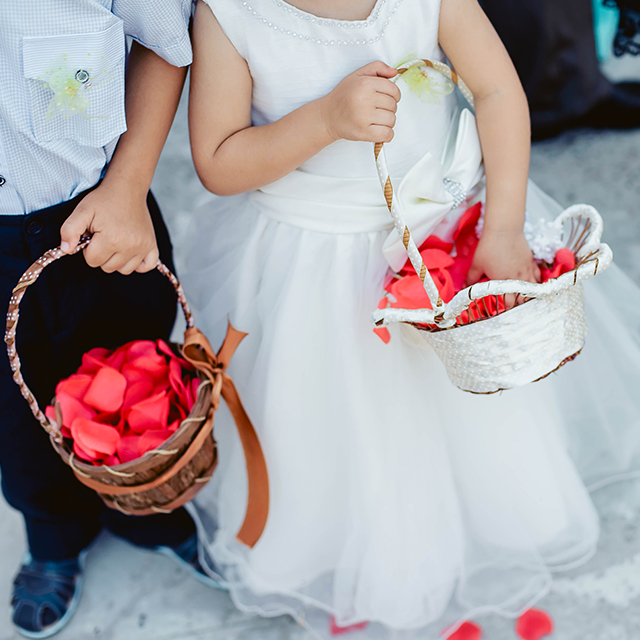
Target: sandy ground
x,y
136,595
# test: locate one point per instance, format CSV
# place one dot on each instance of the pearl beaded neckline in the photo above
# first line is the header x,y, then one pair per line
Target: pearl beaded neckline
x,y
324,22
330,22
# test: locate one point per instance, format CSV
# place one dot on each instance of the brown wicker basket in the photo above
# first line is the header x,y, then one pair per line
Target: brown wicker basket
x,y
171,475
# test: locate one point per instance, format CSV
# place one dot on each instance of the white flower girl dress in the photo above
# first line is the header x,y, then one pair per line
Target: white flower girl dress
x,y
395,497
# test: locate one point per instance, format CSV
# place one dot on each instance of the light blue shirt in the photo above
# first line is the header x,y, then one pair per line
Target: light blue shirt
x,y
62,89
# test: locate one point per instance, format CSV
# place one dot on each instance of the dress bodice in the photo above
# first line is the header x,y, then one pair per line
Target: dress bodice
x,y
295,57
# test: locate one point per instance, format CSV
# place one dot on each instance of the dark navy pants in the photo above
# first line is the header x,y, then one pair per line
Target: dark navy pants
x,y
72,308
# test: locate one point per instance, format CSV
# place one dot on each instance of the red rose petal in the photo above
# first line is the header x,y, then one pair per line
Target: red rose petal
x,y
383,334
534,624
140,348
409,294
152,439
163,347
50,412
466,631
72,409
150,413
154,366
335,630
175,377
192,392
117,359
106,392
128,447
93,360
436,259
88,456
94,437
137,391
111,461
75,385
468,222
174,426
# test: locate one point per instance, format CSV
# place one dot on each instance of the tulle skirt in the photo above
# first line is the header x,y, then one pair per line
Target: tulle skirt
x,y
396,499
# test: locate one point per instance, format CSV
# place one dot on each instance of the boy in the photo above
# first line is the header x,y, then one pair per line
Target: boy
x,y
70,162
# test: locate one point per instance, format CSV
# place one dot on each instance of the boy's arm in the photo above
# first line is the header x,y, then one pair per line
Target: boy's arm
x,y
479,57
116,212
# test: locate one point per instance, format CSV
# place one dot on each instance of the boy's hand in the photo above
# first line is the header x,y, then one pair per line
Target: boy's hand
x,y
123,236
503,255
363,106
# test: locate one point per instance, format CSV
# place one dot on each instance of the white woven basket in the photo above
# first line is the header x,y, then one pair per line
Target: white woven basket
x,y
527,342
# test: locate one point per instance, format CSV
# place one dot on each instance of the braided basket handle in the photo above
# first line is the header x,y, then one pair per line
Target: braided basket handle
x,y
392,203
30,276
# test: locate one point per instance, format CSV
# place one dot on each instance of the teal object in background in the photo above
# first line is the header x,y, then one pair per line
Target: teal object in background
x,y
606,24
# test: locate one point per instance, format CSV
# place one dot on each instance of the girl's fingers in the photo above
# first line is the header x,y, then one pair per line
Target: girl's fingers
x,y
381,85
379,69
385,101
385,118
380,133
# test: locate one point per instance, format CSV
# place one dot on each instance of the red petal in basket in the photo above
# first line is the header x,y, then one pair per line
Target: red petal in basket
x,y
192,392
155,366
128,448
75,386
466,631
117,358
174,426
564,262
72,409
111,461
50,412
534,624
152,439
95,437
436,259
409,294
383,332
175,378
106,392
140,348
88,456
432,242
335,630
93,360
151,413
137,391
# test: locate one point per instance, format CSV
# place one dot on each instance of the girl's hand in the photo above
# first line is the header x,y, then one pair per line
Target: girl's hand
x,y
503,255
363,106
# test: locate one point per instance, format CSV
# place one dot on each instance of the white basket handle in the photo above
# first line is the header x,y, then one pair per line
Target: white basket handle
x,y
389,194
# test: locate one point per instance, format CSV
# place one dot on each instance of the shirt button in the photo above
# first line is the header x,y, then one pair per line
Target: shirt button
x,y
34,228
82,76
2,181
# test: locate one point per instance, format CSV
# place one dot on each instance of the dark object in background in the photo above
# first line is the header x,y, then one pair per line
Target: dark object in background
x,y
552,44
627,38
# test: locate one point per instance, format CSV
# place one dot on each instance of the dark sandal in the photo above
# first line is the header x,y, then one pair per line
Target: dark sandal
x,y
45,595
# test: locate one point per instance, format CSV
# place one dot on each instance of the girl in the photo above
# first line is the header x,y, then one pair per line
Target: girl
x,y
396,499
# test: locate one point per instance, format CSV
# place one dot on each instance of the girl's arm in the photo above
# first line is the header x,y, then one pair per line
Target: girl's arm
x,y
231,156
477,54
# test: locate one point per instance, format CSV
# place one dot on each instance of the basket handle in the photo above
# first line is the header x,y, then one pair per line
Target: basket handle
x,y
27,279
392,202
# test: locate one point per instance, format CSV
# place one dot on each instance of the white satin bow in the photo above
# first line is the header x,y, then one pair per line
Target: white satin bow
x,y
434,187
